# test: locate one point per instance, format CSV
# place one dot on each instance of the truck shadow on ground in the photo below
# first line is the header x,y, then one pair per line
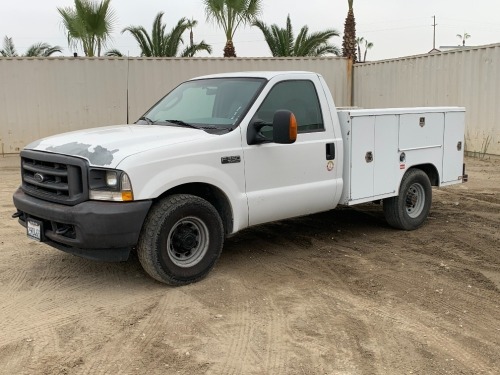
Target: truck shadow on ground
x,y
282,238
336,225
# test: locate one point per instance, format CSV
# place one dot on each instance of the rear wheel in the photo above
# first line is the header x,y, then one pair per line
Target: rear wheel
x,y
181,239
411,207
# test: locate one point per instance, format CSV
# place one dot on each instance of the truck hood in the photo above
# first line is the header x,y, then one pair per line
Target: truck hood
x,y
108,146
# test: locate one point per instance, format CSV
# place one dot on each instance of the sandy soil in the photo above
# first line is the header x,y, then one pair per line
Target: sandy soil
x,y
334,293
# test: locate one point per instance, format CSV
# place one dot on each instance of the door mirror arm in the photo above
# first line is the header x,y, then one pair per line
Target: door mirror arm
x,y
254,136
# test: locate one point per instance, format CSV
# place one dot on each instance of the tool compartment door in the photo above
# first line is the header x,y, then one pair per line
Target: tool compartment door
x,y
421,131
362,168
453,150
374,163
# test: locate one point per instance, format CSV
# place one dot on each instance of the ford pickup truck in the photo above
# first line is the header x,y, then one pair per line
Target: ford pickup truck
x,y
223,152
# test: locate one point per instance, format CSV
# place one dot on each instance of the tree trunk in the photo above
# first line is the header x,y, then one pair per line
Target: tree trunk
x,y
349,41
229,50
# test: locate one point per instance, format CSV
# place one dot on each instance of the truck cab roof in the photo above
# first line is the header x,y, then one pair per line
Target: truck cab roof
x,y
254,74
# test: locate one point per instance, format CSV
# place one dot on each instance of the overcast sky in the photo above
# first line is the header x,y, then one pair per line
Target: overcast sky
x,y
395,27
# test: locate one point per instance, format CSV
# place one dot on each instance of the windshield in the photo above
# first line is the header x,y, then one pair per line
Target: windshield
x,y
215,105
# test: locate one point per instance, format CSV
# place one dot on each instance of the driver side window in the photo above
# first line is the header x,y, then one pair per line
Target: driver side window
x,y
299,97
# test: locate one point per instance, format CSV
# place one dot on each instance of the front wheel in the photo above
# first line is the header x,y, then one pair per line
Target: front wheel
x,y
411,207
181,239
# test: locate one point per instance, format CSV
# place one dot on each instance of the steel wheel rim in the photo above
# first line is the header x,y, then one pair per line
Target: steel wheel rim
x,y
415,200
187,242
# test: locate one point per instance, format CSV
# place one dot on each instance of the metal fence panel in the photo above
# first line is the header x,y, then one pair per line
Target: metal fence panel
x,y
151,78
44,96
40,97
464,77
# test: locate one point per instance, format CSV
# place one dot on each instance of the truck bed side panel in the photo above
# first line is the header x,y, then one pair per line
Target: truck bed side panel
x,y
381,145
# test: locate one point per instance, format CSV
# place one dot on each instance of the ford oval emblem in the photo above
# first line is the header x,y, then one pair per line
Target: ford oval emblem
x,y
39,177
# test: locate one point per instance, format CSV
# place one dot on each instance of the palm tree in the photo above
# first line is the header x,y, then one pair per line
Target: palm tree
x,y
463,37
9,50
230,14
161,44
36,50
281,42
359,41
88,24
349,42
368,45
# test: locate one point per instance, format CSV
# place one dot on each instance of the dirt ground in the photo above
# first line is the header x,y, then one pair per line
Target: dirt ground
x,y
334,293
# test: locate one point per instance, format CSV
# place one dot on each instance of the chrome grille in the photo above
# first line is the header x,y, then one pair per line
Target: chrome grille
x,y
53,177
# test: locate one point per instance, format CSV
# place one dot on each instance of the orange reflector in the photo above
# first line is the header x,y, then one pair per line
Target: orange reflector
x,y
127,196
293,127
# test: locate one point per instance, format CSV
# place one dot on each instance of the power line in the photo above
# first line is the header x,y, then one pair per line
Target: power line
x,y
393,28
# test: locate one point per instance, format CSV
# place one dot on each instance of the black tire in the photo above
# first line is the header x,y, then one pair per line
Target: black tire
x,y
410,208
181,239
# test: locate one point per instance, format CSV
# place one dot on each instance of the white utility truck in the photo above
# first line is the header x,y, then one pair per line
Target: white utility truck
x,y
223,152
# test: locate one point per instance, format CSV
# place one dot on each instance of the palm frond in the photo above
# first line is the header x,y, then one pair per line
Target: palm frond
x,y
281,41
9,50
269,36
113,53
42,50
190,51
142,38
162,44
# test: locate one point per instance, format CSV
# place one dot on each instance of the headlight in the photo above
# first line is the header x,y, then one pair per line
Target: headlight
x,y
111,178
110,185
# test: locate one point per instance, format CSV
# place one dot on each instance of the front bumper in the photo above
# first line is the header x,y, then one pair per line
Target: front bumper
x,y
91,229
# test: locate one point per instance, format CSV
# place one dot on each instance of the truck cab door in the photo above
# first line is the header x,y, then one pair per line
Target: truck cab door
x,y
288,180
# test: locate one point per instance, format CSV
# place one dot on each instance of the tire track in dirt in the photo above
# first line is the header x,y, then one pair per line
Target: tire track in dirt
x,y
244,344
419,331
129,339
14,280
145,333
36,298
391,278
239,345
275,356
51,312
360,351
283,266
9,356
278,264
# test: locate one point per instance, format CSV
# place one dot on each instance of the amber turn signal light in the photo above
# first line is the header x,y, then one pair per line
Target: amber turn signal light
x,y
293,128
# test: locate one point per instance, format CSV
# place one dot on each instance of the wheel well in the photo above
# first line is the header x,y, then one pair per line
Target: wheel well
x,y
211,194
431,172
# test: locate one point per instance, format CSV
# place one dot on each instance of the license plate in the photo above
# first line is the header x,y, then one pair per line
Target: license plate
x,y
34,229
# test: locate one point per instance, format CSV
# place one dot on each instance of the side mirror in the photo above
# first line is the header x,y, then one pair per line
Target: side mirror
x,y
284,127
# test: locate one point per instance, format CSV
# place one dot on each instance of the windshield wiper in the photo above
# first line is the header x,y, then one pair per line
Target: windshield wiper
x,y
187,125
147,119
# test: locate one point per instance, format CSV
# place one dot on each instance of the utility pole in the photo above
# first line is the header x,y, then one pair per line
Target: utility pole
x,y
434,37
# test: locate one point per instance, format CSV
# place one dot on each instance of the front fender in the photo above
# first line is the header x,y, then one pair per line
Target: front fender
x,y
151,181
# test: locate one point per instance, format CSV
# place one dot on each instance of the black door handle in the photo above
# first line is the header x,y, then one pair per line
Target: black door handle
x,y
330,151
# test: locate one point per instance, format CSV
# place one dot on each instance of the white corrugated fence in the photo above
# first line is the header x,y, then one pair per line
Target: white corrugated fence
x,y
467,78
44,96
